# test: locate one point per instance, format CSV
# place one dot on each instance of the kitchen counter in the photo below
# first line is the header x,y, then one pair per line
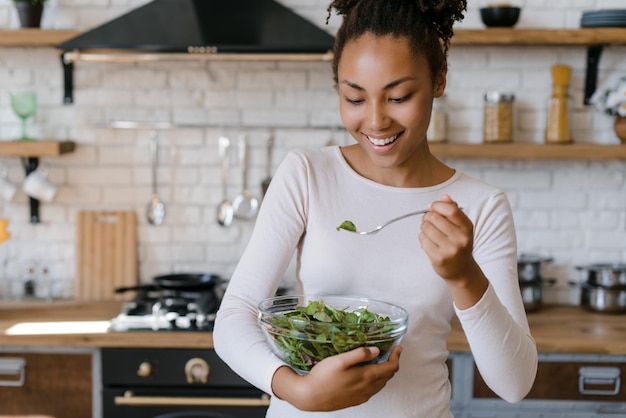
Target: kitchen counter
x,y
556,329
82,324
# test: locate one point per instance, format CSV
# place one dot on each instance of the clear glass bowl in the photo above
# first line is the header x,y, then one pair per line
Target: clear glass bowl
x,y
303,337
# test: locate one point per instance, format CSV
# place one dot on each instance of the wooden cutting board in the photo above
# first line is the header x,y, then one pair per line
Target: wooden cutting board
x,y
106,254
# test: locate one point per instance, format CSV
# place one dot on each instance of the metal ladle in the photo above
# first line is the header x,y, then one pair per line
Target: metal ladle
x,y
246,206
225,210
156,209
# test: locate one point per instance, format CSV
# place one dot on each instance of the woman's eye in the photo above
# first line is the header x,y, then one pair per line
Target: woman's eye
x,y
354,101
400,99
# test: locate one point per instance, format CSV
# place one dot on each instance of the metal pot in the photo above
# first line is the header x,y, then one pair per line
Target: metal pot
x,y
529,267
609,275
532,293
602,299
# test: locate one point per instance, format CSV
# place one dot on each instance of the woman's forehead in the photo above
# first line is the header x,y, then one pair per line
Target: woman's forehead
x,y
386,57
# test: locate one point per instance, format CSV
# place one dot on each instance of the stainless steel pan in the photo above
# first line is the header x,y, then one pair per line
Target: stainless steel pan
x,y
605,274
602,299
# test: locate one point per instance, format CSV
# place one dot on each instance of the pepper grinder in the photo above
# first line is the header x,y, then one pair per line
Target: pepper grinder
x,y
558,126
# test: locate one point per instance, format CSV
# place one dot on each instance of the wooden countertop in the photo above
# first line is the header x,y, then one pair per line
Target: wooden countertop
x,y
80,324
556,329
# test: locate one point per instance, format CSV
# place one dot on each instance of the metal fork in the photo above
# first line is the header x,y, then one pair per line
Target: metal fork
x,y
379,227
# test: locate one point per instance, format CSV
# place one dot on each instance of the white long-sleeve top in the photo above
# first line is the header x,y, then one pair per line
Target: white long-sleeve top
x,y
312,192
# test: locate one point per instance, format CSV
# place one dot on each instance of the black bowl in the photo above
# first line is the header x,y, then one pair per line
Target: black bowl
x,y
500,16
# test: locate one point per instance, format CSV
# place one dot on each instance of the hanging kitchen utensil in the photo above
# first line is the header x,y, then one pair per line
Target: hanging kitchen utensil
x,y
106,253
225,210
155,211
245,205
268,178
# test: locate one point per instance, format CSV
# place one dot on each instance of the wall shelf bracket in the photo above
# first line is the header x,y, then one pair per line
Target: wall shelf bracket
x,y
593,59
30,164
68,80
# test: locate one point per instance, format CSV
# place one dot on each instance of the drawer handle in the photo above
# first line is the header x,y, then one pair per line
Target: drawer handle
x,y
13,367
605,376
129,399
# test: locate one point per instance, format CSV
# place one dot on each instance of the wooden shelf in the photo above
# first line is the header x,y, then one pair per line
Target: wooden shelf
x,y
35,37
516,151
507,36
35,148
490,36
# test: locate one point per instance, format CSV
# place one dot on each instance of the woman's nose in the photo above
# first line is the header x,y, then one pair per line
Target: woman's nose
x,y
378,117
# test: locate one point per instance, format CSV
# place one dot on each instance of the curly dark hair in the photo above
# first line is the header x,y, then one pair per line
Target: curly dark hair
x,y
427,24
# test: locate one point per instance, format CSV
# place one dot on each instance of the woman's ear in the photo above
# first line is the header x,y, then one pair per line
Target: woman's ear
x,y
440,83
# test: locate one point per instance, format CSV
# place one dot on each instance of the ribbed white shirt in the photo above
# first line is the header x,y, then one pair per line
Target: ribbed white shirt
x,y
311,193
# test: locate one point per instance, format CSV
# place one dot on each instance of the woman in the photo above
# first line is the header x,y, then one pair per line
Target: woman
x,y
389,65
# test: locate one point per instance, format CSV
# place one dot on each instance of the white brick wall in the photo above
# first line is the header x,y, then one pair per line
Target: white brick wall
x,y
573,211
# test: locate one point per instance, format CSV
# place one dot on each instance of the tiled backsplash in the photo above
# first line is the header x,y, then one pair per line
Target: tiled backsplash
x,y
573,211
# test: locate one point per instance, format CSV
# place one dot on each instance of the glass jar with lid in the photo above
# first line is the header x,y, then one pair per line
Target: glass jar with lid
x,y
498,117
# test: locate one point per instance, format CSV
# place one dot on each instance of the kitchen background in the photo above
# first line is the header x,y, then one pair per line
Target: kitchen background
x,y
573,211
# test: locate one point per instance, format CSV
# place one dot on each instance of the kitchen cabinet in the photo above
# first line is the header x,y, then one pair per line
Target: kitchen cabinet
x,y
567,385
56,384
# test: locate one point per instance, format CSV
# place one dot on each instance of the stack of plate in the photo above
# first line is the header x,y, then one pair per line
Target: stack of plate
x,y
604,19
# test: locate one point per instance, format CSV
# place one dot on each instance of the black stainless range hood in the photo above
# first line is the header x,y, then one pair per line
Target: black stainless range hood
x,y
192,29
232,26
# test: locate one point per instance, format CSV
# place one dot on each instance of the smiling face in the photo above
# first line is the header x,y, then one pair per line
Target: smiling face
x,y
386,94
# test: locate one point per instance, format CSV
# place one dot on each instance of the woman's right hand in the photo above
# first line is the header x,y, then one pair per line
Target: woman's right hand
x,y
336,382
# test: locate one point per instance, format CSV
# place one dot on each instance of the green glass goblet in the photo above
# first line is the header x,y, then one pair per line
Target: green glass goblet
x,y
24,104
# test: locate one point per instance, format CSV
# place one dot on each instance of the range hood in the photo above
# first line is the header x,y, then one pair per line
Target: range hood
x,y
197,29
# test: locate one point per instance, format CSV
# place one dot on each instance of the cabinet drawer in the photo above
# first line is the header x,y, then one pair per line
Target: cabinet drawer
x,y
572,381
57,385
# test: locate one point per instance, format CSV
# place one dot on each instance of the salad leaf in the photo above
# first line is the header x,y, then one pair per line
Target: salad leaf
x,y
347,225
308,334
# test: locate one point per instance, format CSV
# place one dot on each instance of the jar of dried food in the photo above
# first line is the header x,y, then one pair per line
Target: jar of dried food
x,y
498,117
558,126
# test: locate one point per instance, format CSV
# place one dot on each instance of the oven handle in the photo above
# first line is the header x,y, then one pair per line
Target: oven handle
x,y
129,399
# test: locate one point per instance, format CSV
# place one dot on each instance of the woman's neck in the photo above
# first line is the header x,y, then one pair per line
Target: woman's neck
x,y
422,170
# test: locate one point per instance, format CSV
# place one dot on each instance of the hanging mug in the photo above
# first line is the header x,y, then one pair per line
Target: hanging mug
x,y
37,186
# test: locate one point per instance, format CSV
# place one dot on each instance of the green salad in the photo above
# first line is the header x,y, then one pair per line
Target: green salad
x,y
347,225
309,334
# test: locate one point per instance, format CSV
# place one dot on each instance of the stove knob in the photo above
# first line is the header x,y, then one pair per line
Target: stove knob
x,y
145,369
197,370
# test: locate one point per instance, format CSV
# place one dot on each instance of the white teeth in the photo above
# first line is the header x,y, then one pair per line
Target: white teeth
x,y
384,141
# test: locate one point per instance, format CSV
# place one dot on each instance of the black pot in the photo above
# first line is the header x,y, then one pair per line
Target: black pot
x,y
529,267
29,13
609,275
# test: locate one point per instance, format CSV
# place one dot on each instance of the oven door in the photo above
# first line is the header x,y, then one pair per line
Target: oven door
x,y
184,403
175,383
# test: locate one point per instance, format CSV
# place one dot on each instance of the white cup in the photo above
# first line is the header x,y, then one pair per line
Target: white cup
x,y
7,189
37,186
